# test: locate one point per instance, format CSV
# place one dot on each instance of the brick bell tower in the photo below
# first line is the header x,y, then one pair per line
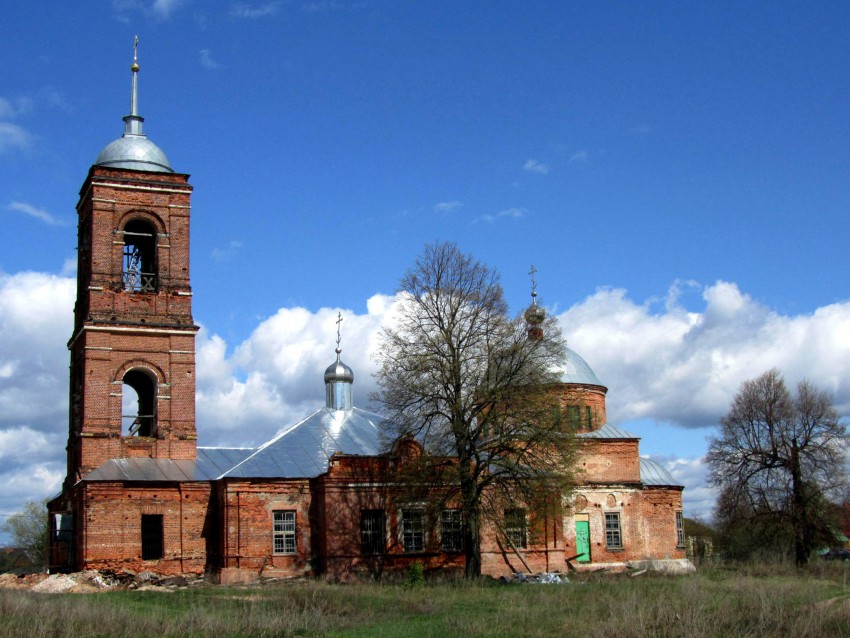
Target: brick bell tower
x,y
132,390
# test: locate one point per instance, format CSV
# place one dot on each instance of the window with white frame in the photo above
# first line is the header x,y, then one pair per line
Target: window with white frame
x,y
451,533
412,530
613,531
516,527
284,531
680,529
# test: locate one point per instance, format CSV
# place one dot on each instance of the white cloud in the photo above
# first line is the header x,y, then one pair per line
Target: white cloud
x,y
579,156
164,8
660,360
207,60
251,11
684,367
38,213
13,136
447,207
533,166
509,213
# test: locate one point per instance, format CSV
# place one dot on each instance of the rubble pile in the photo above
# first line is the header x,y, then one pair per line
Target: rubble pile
x,y
543,578
95,581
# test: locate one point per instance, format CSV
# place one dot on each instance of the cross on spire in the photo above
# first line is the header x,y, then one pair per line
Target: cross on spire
x,y
338,322
533,285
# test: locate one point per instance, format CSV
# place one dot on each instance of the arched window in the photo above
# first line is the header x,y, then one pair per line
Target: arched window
x,y
138,403
139,263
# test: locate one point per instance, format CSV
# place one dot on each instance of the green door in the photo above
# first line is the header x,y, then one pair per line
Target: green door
x,y
583,541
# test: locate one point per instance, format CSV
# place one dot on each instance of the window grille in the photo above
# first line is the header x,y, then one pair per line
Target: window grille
x,y
451,532
516,528
372,532
413,530
680,529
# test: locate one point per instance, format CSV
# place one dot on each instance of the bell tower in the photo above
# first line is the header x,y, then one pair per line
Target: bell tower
x,y
132,390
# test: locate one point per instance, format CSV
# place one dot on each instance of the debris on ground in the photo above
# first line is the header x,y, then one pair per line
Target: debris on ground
x,y
92,581
543,578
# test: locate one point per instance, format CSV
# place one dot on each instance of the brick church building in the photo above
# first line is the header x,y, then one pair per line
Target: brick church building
x,y
141,494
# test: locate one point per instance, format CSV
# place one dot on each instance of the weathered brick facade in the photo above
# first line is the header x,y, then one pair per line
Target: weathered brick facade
x,y
140,495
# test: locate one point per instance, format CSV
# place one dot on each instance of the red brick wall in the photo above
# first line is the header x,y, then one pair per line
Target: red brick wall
x,y
110,516
609,461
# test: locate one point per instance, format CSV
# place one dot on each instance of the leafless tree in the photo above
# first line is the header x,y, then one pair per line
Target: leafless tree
x,y
467,382
780,456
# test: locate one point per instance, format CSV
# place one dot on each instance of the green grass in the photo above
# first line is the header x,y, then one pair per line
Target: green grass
x,y
744,601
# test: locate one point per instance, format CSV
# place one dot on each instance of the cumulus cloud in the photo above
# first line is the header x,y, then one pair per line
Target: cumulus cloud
x,y
684,367
533,166
38,213
661,361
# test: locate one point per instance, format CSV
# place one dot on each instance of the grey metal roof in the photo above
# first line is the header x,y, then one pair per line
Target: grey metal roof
x,y
150,470
652,473
608,431
576,370
135,152
303,450
216,461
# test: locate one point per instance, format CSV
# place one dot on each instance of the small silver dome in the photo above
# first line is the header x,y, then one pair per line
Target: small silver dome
x,y
338,371
135,152
535,315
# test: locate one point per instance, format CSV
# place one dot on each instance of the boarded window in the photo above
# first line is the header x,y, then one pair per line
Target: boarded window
x,y
284,531
680,529
516,528
372,532
413,530
152,536
451,533
613,533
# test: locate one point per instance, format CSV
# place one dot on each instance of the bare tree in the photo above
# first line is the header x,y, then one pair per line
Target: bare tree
x,y
779,458
467,382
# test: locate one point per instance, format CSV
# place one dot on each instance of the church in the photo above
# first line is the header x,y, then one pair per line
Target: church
x,y
141,494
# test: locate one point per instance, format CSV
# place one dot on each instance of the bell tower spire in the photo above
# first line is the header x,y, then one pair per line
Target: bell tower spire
x,y
132,391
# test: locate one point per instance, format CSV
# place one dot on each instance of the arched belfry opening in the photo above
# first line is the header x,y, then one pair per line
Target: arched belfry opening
x,y
139,261
138,403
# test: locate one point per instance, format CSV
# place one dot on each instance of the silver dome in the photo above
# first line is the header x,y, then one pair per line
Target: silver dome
x,y
338,371
135,152
577,371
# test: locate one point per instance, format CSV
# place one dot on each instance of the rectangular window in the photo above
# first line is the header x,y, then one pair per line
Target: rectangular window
x,y
588,414
283,531
152,536
680,529
451,534
575,416
372,532
413,530
516,528
613,534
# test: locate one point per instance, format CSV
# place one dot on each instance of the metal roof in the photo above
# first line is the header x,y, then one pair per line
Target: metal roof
x,y
608,431
150,470
303,450
135,152
652,473
576,370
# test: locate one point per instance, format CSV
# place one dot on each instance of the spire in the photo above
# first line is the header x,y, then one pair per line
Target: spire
x,y
338,379
534,314
134,150
133,121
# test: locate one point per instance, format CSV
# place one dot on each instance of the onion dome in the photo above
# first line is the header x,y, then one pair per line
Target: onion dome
x,y
534,314
134,150
338,379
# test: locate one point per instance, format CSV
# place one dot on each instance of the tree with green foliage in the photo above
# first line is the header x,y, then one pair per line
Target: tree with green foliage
x,y
29,531
463,378
777,460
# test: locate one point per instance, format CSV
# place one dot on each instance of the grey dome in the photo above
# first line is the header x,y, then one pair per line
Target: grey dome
x,y
577,371
338,371
135,152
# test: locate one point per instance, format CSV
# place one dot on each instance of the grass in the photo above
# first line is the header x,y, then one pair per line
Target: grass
x,y
741,601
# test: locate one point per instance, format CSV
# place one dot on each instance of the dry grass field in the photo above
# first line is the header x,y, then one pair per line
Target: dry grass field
x,y
717,601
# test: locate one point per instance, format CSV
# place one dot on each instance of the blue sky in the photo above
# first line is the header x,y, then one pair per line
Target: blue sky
x,y
679,174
